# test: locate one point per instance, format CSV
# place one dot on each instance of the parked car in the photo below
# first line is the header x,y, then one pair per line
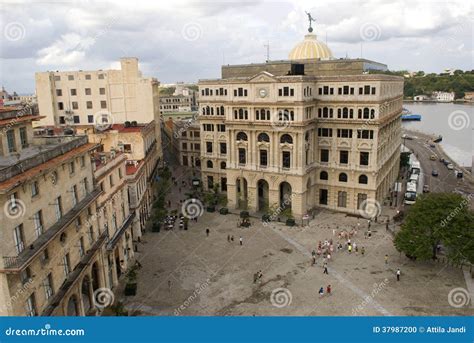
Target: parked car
x,y
459,174
434,172
446,162
426,188
450,166
433,157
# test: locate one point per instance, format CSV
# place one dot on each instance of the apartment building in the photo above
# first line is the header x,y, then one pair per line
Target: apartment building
x,y
52,261
185,139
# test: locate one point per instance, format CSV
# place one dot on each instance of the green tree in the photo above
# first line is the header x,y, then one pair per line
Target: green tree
x,y
438,218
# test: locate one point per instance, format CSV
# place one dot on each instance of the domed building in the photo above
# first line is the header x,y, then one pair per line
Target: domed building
x,y
310,48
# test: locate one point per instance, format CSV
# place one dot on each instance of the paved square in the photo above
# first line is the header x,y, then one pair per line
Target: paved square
x,y
187,273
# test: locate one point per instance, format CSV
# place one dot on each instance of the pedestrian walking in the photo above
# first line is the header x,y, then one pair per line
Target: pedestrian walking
x,y
232,238
328,289
362,251
313,253
207,232
241,240
349,248
313,261
169,285
325,268
321,292
386,259
255,277
398,274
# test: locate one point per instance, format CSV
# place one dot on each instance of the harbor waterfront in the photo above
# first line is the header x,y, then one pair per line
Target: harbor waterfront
x,y
452,121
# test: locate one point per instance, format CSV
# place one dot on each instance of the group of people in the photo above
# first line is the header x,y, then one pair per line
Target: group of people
x,y
321,291
230,238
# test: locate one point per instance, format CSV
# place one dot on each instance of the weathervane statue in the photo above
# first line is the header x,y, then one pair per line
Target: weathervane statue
x,y
310,19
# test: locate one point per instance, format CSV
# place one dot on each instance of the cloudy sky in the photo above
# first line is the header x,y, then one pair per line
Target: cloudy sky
x,y
189,40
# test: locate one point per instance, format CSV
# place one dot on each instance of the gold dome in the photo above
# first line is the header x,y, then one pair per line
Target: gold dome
x,y
310,48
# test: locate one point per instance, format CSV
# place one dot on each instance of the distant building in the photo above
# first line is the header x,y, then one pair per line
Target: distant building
x,y
469,96
421,97
185,138
443,96
182,100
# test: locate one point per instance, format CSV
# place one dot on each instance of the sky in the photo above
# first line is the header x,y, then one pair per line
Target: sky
x,y
184,41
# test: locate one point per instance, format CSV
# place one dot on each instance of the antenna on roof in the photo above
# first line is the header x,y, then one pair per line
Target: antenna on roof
x,y
268,50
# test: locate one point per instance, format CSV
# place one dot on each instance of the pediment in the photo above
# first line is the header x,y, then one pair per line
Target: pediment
x,y
263,77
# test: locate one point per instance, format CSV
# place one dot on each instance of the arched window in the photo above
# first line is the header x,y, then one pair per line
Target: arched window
x,y
222,110
286,139
223,165
345,113
323,175
343,177
242,136
210,165
363,179
263,137
372,114
359,115
208,110
366,113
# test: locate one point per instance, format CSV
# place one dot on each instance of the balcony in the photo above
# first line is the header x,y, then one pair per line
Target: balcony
x,y
114,240
17,263
74,275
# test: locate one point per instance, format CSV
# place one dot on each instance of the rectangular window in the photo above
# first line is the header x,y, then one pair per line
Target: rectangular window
x,y
323,196
76,119
224,184
366,90
75,105
364,158
34,189
81,247
70,77
341,199
209,147
242,156
101,76
89,105
57,78
11,141
59,92
71,167
62,120
361,199
286,159
103,104
184,146
60,106
102,91
343,156
19,238
38,221
74,195
210,182
324,155
185,160
111,180
23,138
87,91
66,264
73,92
30,306
48,286
58,208
263,158
223,148
88,76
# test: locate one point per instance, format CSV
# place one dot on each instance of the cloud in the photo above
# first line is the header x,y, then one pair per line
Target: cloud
x,y
93,35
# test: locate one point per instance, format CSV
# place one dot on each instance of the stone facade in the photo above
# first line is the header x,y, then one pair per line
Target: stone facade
x,y
52,254
303,141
